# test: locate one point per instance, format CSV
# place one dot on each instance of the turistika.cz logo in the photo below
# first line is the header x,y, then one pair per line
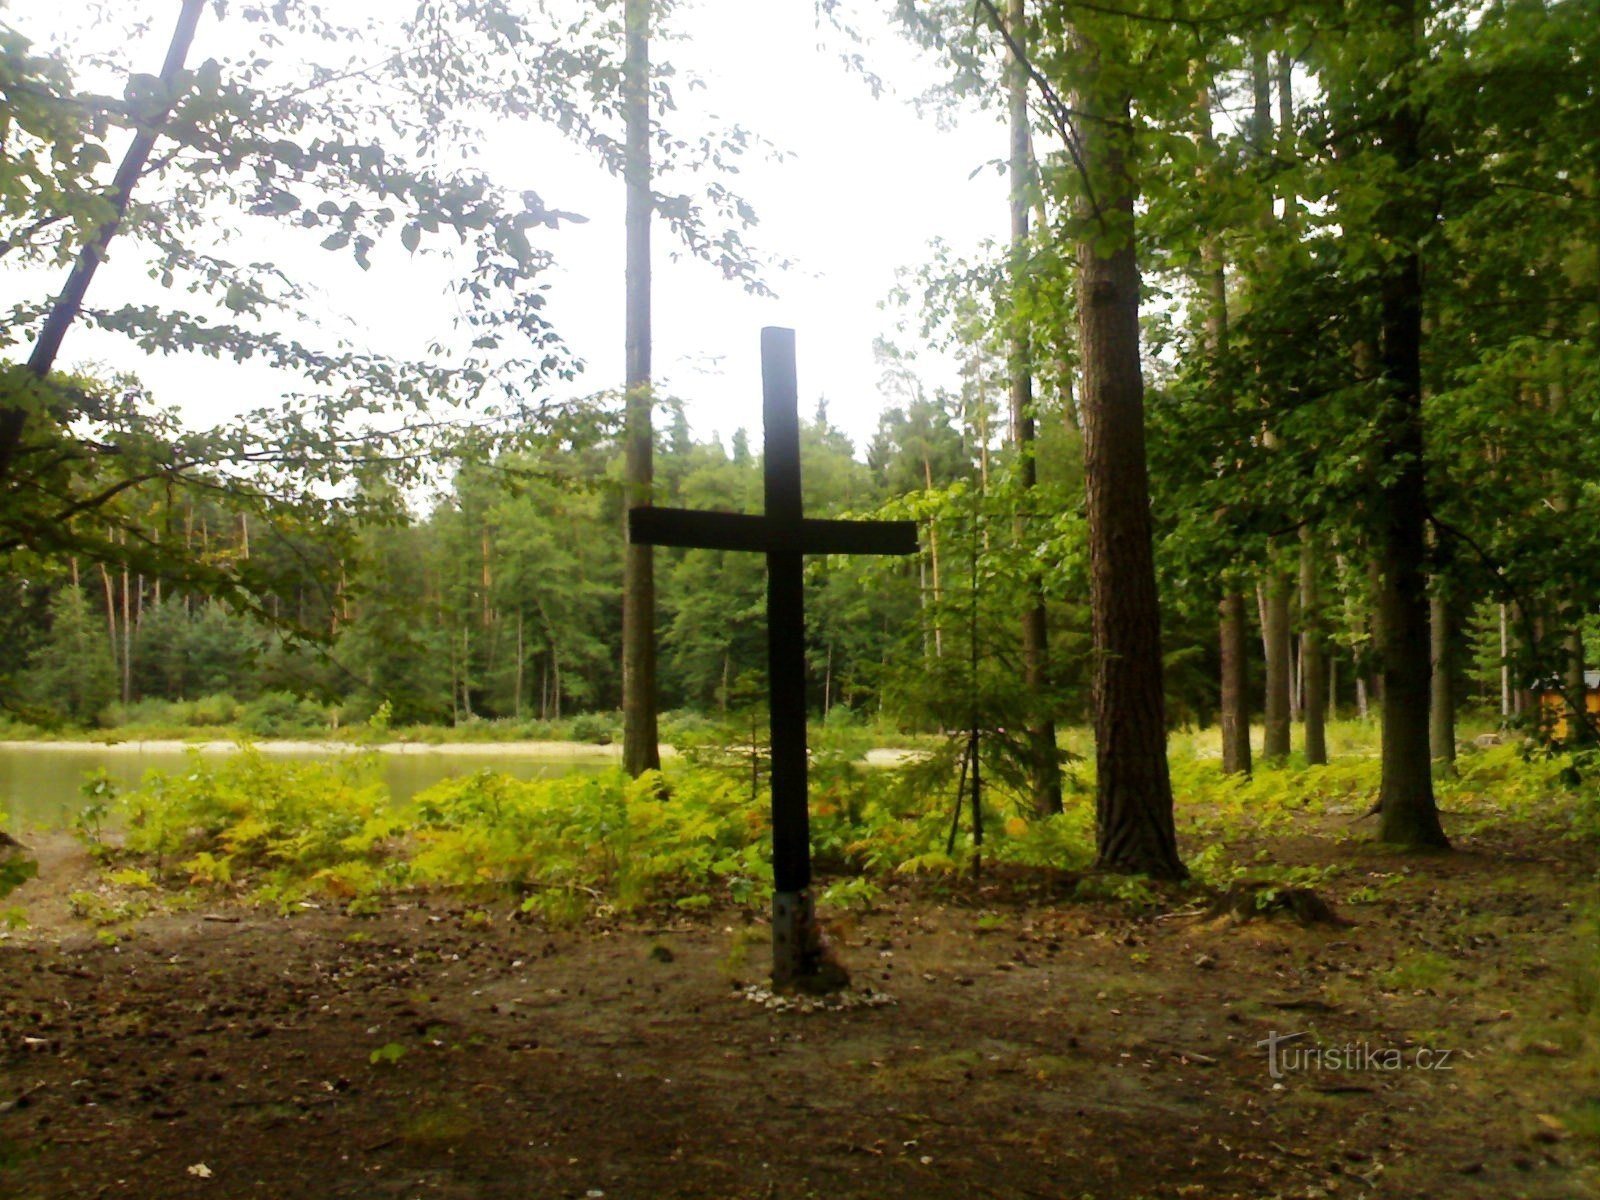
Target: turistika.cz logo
x,y
1286,1053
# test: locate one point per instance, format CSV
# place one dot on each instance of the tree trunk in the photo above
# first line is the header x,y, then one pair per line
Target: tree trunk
x,y
111,618
1233,686
1442,702
641,751
1408,815
1580,728
1277,646
933,557
827,684
1505,667
516,706
1133,803
1312,658
1044,764
1235,716
127,634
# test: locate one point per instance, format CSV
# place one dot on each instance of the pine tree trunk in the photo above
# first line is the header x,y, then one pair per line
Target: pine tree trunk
x,y
127,635
1408,815
1276,645
933,559
1233,643
1235,692
1044,764
1133,803
641,751
1580,728
1505,666
111,618
516,706
1313,657
1442,702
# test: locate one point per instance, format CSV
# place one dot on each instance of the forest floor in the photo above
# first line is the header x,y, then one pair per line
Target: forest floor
x,y
1035,1046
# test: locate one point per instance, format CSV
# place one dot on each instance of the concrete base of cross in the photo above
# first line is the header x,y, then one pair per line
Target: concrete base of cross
x,y
801,959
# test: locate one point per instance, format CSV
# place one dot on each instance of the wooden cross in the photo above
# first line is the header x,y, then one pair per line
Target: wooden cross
x,y
784,535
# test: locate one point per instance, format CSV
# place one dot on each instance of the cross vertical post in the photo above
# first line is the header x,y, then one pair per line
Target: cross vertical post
x,y
795,944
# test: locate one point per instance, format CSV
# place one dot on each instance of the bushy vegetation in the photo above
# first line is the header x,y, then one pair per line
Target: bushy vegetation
x,y
327,832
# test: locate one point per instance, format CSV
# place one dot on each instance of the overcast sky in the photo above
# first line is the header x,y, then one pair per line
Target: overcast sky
x,y
866,184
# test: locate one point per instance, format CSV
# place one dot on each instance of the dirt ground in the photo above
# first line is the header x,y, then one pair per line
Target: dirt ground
x,y
1036,1046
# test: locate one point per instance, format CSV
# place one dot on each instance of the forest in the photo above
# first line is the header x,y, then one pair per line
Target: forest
x,y
1243,680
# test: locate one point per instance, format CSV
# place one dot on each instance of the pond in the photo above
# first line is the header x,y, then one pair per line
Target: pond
x,y
40,782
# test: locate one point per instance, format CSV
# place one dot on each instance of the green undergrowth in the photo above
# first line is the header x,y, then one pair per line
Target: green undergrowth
x,y
1512,783
292,834
327,833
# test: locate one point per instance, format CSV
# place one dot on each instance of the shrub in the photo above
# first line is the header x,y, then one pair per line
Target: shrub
x,y
278,714
288,829
218,708
601,729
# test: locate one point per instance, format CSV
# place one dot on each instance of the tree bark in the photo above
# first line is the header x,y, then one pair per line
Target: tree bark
x,y
516,706
641,750
1505,667
1312,657
1408,814
1235,716
1044,763
933,559
1442,702
1133,803
70,302
1277,645
1580,726
1233,685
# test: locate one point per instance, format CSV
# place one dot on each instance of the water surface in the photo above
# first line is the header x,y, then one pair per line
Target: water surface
x,y
41,784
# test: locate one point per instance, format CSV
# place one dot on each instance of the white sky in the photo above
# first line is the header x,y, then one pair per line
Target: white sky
x,y
868,184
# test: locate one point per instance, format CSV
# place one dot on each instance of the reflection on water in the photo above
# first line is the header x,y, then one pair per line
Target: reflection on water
x,y
43,787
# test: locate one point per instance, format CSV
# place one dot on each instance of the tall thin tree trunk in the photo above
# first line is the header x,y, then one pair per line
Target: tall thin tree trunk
x,y
1233,685
1407,811
1505,666
1133,802
933,557
1442,701
1276,644
1580,727
641,750
1296,668
555,679
127,634
1044,764
111,619
1235,716
1312,658
517,704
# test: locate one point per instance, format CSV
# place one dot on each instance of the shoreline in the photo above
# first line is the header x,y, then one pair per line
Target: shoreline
x,y
882,756
561,751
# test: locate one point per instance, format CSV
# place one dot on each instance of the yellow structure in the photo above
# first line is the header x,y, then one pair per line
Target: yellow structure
x,y
1553,706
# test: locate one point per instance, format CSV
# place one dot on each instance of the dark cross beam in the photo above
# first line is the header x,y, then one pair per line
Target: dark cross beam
x,y
784,535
